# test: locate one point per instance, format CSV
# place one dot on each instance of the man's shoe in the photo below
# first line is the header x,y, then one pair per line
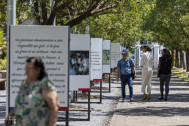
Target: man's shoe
x,y
165,99
161,98
124,100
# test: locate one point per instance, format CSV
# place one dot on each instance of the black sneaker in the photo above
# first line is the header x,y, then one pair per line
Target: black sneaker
x,y
124,100
165,99
161,98
132,100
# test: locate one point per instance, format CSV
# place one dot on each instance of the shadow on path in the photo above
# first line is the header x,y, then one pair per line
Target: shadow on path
x,y
2,112
172,98
154,111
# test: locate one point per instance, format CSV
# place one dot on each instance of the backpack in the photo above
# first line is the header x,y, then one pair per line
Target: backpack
x,y
132,71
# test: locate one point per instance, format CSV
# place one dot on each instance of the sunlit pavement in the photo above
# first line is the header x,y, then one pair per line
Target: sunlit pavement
x,y
174,112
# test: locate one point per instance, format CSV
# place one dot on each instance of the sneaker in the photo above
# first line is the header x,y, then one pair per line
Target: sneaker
x,y
161,98
124,100
165,99
132,100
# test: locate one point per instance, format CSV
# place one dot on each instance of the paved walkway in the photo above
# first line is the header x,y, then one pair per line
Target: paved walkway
x,y
174,112
100,113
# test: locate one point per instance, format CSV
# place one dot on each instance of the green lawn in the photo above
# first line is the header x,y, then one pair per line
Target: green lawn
x,y
181,74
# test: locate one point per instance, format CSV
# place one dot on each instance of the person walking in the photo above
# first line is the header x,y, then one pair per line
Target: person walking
x,y
146,64
124,73
164,72
37,101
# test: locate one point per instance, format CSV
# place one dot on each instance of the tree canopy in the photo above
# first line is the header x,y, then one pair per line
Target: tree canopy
x,y
122,26
117,20
67,12
123,21
3,14
169,23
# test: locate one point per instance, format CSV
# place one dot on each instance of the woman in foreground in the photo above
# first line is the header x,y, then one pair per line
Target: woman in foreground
x,y
37,102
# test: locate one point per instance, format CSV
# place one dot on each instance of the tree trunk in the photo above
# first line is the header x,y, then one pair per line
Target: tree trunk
x,y
181,58
173,55
36,13
177,59
187,60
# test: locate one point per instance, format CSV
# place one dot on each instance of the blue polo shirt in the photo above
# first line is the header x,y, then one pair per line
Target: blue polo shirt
x,y
125,66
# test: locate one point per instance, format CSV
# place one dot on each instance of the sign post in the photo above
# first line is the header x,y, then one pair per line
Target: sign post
x,y
106,60
96,62
80,45
80,62
49,43
11,20
115,54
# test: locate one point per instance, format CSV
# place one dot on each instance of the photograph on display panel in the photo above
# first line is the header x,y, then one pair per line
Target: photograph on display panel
x,y
79,62
106,57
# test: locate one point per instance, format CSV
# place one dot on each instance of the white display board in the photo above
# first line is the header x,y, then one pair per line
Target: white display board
x,y
80,45
106,56
121,48
48,42
137,55
185,59
115,54
96,59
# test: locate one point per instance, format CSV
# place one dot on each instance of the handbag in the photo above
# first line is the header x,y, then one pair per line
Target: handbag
x,y
159,67
132,71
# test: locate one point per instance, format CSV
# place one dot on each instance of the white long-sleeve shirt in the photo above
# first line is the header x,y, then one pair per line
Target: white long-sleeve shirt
x,y
146,64
147,60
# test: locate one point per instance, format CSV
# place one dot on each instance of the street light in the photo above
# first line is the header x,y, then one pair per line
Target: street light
x,y
11,20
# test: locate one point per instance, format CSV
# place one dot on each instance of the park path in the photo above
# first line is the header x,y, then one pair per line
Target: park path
x,y
174,112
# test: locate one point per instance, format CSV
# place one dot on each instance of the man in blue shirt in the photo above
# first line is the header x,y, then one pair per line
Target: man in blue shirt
x,y
124,69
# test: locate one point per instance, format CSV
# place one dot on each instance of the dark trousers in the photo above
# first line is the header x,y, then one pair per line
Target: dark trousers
x,y
126,79
164,79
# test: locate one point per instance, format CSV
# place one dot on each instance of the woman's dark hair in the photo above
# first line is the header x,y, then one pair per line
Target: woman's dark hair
x,y
167,54
38,63
147,48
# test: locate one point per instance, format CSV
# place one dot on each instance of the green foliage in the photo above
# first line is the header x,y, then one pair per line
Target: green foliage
x,y
3,15
164,21
168,23
120,23
130,54
181,74
120,26
3,43
3,64
70,12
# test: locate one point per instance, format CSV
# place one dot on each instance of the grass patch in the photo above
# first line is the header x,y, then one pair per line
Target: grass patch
x,y
176,72
181,74
187,79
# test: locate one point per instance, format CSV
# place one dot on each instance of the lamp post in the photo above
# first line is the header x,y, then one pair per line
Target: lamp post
x,y
11,14
11,20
